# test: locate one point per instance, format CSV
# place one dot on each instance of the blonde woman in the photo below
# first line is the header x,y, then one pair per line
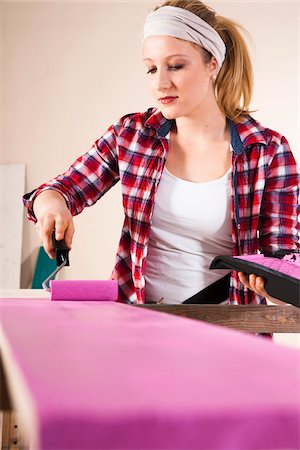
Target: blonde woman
x,y
200,177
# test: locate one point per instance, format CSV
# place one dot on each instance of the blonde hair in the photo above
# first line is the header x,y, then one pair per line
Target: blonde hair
x,y
234,83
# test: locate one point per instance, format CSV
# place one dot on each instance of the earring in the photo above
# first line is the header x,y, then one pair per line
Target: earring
x,y
214,77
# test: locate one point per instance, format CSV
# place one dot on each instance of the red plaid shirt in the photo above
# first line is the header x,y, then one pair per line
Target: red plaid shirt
x,y
264,200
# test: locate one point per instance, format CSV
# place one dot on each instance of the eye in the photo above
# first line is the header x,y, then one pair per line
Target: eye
x,y
172,68
177,67
151,70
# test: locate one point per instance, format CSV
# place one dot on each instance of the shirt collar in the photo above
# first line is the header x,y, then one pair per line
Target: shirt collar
x,y
246,132
159,122
243,133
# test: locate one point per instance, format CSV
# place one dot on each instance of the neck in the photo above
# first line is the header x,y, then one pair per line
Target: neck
x,y
207,123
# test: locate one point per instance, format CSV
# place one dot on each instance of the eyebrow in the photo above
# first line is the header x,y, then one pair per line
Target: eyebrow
x,y
168,57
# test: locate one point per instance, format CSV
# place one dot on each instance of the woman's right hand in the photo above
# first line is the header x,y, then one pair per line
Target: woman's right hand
x,y
52,213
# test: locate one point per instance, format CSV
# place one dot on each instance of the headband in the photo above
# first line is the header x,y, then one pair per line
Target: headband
x,y
183,24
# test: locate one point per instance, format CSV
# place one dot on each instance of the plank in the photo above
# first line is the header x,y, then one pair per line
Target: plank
x,y
12,429
249,318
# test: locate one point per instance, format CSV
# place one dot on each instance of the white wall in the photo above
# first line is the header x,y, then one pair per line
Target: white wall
x,y
72,68
1,80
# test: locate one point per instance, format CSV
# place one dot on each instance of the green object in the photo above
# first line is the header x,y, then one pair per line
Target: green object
x,y
43,268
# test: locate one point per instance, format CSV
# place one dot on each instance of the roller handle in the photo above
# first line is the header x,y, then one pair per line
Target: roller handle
x,y
61,251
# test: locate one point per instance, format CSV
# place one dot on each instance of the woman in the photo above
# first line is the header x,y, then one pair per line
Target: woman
x,y
200,177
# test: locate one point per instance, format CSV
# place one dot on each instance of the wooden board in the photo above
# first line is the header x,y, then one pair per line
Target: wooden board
x,y
249,318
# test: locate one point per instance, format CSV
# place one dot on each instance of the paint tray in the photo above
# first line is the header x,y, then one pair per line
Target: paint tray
x,y
281,275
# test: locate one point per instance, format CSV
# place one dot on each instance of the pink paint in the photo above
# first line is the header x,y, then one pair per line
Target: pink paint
x,y
107,375
289,265
89,290
293,258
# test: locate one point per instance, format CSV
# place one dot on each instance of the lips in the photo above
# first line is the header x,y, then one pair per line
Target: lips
x,y
168,99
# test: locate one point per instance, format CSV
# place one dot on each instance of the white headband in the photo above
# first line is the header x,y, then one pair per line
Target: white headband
x,y
183,24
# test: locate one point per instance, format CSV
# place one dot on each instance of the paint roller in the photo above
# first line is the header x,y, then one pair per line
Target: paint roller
x,y
90,290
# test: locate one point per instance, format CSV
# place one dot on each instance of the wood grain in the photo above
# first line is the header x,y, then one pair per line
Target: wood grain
x,y
249,318
12,437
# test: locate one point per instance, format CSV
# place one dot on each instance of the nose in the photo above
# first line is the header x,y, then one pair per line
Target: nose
x,y
163,80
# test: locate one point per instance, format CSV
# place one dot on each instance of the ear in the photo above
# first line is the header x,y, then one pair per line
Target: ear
x,y
213,66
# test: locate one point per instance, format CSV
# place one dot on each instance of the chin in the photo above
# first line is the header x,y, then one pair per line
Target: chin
x,y
168,114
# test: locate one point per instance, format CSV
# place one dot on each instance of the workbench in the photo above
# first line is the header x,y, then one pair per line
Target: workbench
x,y
82,375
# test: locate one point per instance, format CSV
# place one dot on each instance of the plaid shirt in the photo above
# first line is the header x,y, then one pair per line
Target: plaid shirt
x,y
264,192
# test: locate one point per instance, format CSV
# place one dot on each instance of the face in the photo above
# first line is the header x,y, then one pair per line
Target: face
x,y
178,78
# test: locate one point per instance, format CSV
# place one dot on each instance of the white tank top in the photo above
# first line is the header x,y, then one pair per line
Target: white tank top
x,y
191,224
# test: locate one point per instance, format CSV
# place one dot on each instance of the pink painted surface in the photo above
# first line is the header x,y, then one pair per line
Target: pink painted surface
x,y
107,375
84,290
289,265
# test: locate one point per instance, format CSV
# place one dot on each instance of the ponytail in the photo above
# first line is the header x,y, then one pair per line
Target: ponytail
x,y
234,83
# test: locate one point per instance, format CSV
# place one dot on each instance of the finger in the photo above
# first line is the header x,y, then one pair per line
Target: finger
x,y
260,287
47,227
252,281
243,279
60,229
257,285
69,235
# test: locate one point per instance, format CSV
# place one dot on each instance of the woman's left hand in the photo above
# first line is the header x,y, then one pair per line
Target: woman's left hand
x,y
257,285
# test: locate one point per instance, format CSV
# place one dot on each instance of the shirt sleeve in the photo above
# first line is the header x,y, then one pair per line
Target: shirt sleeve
x,y
279,220
88,178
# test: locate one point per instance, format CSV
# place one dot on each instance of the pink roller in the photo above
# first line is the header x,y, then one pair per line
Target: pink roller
x,y
90,290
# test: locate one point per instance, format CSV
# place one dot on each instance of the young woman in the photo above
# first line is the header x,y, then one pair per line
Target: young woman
x,y
200,177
